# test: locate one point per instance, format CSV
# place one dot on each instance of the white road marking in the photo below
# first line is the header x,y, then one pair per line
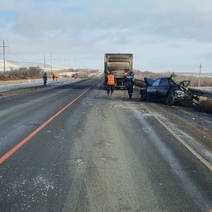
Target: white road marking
x,y
197,155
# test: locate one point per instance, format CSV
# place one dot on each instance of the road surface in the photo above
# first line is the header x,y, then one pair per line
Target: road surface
x,y
73,148
23,84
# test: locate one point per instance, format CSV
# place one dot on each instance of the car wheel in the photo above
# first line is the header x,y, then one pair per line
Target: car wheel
x,y
170,99
143,95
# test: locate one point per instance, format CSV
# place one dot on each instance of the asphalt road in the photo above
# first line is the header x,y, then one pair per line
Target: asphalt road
x,y
73,148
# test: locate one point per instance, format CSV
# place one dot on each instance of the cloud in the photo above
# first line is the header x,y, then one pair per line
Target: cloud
x,y
164,31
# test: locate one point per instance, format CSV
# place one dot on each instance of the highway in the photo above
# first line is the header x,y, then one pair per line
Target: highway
x,y
23,84
73,148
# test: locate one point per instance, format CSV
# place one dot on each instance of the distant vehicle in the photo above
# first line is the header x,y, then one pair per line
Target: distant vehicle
x,y
74,75
167,90
120,64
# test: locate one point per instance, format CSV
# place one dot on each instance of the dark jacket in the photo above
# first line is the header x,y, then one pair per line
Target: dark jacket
x,y
44,77
129,81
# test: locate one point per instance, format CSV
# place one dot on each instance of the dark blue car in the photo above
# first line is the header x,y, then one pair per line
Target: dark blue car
x,y
167,90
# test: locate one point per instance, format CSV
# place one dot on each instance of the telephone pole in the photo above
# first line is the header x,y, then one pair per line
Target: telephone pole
x,y
200,69
44,63
4,54
51,61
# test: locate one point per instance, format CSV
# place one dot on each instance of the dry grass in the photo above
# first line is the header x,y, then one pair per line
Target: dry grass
x,y
7,78
205,105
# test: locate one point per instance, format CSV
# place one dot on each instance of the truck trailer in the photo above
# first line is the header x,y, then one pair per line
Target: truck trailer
x,y
120,65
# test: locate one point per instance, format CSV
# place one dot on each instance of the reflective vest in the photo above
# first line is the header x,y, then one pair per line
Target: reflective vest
x,y
110,80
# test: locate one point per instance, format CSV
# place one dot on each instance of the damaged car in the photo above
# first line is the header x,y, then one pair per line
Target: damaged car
x,y
167,90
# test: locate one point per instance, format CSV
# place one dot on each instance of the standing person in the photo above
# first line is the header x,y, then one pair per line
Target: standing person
x,y
53,76
129,83
56,76
44,79
111,82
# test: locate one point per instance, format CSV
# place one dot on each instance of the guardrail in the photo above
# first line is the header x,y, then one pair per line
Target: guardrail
x,y
200,92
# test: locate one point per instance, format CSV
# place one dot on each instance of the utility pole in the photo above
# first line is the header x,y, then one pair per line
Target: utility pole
x,y
69,65
51,61
44,62
4,54
200,69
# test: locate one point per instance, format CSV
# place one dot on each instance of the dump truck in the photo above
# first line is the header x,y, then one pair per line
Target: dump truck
x,y
120,65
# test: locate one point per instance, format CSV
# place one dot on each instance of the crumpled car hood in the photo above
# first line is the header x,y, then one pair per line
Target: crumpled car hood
x,y
184,83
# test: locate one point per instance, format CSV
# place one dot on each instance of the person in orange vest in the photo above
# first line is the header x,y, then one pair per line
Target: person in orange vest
x,y
111,82
56,76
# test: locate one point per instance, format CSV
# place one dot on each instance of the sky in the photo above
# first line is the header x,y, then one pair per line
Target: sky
x,y
162,35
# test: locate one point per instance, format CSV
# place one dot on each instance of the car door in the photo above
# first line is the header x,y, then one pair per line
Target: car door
x,y
163,87
152,90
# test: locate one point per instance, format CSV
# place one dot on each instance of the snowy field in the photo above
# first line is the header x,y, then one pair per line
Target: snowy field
x,y
27,84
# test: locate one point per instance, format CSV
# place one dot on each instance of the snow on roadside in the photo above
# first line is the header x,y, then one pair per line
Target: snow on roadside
x,y
29,83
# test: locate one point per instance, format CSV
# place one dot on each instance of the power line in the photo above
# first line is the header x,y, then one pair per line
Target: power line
x,y
4,54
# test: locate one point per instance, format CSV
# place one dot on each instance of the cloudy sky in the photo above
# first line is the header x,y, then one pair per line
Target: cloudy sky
x,y
163,35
